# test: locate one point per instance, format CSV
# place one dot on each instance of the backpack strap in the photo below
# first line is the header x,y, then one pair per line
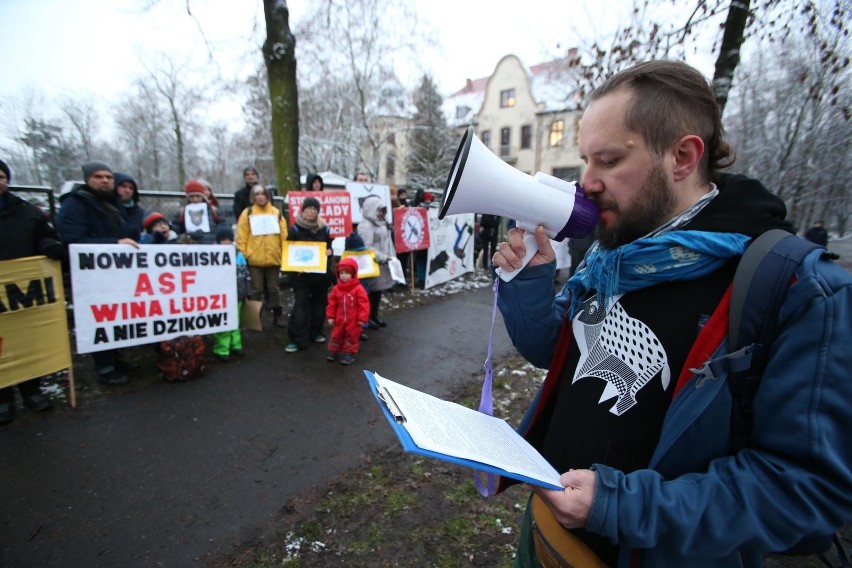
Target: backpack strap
x,y
760,284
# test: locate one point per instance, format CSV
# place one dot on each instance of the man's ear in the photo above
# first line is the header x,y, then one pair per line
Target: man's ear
x,y
688,152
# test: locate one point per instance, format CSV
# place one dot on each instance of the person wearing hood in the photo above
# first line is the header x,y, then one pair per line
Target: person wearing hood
x,y
197,223
347,312
90,215
641,436
310,290
127,194
375,230
316,183
262,244
24,231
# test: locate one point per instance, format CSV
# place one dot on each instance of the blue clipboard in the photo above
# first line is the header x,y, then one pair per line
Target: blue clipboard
x,y
396,422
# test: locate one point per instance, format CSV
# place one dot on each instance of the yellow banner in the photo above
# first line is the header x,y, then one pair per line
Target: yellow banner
x,y
33,325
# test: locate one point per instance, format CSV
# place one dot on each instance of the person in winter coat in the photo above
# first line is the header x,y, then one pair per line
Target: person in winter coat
x,y
195,222
347,312
227,343
24,231
90,215
242,196
641,435
127,193
375,230
261,233
310,290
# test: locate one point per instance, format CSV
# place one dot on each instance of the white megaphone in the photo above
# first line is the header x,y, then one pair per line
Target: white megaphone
x,y
481,182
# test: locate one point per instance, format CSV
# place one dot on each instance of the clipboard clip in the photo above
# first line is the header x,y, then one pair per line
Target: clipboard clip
x,y
393,407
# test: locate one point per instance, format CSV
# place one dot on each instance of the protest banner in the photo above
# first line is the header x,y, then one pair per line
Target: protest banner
x,y
450,251
411,229
124,296
33,323
361,191
335,209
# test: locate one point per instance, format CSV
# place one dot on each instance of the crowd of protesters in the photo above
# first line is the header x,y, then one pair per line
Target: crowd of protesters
x,y
107,209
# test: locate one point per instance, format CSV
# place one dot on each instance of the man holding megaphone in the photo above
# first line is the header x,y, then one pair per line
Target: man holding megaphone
x,y
650,478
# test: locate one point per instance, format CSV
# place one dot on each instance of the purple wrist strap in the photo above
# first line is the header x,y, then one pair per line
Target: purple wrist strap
x,y
488,486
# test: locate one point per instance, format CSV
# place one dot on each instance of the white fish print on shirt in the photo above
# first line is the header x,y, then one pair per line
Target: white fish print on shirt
x,y
618,349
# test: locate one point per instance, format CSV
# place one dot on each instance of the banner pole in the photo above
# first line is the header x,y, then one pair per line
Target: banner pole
x,y
411,269
72,391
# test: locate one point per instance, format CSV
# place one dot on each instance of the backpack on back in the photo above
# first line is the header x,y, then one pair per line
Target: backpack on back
x,y
760,284
182,358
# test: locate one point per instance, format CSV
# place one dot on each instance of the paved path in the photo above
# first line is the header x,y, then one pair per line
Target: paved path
x,y
166,474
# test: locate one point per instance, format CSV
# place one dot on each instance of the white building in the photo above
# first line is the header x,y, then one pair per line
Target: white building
x,y
526,115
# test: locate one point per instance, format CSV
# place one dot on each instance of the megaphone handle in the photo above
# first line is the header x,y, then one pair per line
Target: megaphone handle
x,y
531,247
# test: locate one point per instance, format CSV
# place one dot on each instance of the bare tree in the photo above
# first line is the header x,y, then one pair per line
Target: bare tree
x,y
279,54
182,99
81,113
345,89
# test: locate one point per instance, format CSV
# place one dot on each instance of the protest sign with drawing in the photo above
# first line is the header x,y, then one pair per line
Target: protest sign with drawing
x,y
125,296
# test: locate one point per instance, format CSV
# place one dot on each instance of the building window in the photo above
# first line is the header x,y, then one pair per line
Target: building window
x,y
568,174
486,138
507,98
526,137
461,112
391,139
505,141
557,132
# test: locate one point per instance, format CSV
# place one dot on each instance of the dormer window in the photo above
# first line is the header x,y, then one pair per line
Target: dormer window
x,y
462,111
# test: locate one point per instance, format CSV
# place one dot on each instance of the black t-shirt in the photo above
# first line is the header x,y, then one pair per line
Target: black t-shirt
x,y
613,411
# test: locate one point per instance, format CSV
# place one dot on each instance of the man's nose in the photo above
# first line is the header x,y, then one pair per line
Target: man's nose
x,y
590,182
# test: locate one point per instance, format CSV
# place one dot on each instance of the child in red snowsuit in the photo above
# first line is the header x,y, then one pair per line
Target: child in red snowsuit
x,y
347,312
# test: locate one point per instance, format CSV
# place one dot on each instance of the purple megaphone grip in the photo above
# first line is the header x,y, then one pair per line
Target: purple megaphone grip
x,y
584,217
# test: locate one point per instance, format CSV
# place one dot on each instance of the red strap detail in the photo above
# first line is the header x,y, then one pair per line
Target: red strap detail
x,y
708,341
563,345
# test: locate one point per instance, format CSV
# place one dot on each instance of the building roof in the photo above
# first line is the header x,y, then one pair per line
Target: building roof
x,y
551,84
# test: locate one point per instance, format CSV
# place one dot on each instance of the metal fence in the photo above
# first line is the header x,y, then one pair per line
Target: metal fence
x,y
166,202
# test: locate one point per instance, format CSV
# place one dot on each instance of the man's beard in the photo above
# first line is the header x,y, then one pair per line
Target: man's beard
x,y
652,207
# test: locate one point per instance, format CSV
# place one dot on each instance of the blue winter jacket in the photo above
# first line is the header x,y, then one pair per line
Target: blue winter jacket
x,y
696,505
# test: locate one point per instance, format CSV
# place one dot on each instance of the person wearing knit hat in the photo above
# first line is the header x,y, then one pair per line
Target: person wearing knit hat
x,y
127,194
5,169
157,230
208,192
197,219
347,311
242,196
227,343
310,290
90,215
263,248
311,202
92,168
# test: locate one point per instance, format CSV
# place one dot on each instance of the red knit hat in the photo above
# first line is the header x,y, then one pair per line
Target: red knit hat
x,y
152,219
349,265
194,186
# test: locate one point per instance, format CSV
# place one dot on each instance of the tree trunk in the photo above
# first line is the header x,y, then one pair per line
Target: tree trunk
x,y
279,53
729,52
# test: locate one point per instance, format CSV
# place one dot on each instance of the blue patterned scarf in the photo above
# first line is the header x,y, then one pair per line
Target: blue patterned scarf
x,y
674,255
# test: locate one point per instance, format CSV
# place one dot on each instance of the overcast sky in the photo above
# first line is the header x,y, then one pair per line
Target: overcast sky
x,y
98,46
